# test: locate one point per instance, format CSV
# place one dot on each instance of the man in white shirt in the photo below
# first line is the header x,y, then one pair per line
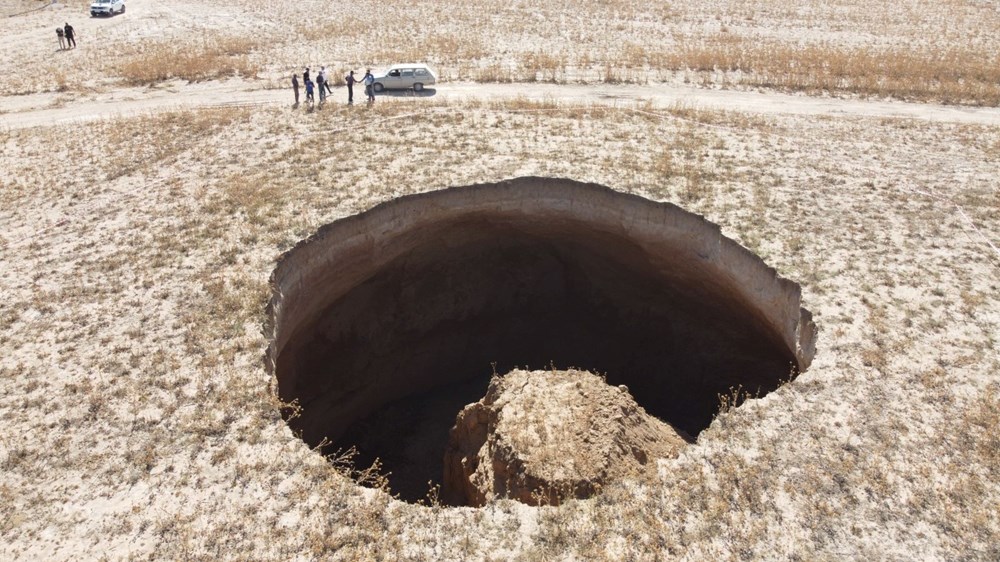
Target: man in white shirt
x,y
326,80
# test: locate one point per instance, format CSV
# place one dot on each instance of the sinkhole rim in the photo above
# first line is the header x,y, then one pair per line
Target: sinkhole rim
x,y
343,255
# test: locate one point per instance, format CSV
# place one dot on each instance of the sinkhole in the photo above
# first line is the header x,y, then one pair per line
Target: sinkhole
x,y
383,325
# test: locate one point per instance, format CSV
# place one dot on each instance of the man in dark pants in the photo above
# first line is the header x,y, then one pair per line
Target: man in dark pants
x,y
369,86
70,36
295,87
326,80
350,86
321,84
309,93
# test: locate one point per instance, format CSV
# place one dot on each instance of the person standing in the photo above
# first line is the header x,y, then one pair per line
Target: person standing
x,y
309,91
321,85
70,35
295,88
350,79
369,86
62,38
305,75
326,80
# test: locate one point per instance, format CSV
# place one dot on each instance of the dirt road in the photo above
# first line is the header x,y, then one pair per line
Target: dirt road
x,y
48,109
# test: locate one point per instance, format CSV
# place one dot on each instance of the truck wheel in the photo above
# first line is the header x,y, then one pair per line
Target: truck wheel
x,y
418,87
378,87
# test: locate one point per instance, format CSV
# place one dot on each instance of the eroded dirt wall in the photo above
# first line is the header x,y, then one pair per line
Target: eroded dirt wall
x,y
443,287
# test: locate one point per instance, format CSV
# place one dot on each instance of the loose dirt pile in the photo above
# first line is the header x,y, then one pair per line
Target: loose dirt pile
x,y
543,436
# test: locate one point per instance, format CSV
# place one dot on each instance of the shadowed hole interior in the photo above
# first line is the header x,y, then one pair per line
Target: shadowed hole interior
x,y
388,363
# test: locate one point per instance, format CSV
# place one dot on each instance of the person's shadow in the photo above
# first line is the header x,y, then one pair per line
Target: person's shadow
x,y
409,93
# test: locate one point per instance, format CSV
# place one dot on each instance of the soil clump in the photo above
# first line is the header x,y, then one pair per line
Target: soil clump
x,y
540,437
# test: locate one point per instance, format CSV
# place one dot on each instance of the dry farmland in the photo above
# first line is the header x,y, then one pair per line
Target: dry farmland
x,y
854,147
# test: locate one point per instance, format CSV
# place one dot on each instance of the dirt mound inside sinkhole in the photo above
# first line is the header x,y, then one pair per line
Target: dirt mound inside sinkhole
x,y
540,437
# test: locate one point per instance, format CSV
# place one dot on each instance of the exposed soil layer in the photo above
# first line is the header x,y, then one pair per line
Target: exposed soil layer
x,y
443,288
541,437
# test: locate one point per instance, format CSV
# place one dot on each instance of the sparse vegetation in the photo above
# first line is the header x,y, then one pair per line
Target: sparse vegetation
x,y
930,51
216,57
157,329
139,422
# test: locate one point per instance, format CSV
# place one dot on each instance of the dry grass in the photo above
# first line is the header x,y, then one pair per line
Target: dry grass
x,y
140,423
928,51
952,75
215,58
134,295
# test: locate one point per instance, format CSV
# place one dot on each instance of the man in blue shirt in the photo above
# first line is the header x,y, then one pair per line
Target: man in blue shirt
x,y
369,86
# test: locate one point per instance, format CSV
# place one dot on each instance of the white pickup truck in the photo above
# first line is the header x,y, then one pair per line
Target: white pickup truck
x,y
107,7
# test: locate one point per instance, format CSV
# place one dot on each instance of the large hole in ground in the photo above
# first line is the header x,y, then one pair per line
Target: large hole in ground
x,y
385,324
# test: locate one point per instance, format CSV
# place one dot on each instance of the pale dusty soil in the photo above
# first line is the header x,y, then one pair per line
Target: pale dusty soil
x,y
136,243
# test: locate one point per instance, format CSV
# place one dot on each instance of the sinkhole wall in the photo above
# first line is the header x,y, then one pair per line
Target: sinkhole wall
x,y
443,287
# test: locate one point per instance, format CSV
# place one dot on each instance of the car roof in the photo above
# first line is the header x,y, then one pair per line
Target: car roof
x,y
409,65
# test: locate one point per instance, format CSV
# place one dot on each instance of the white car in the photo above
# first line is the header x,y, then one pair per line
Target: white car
x,y
107,7
404,77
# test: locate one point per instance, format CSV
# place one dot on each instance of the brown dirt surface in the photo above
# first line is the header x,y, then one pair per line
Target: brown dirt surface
x,y
542,437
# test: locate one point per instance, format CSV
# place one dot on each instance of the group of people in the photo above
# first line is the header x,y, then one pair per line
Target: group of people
x,y
67,37
323,85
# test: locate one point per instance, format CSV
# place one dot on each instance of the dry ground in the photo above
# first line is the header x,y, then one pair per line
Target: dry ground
x,y
134,256
945,50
